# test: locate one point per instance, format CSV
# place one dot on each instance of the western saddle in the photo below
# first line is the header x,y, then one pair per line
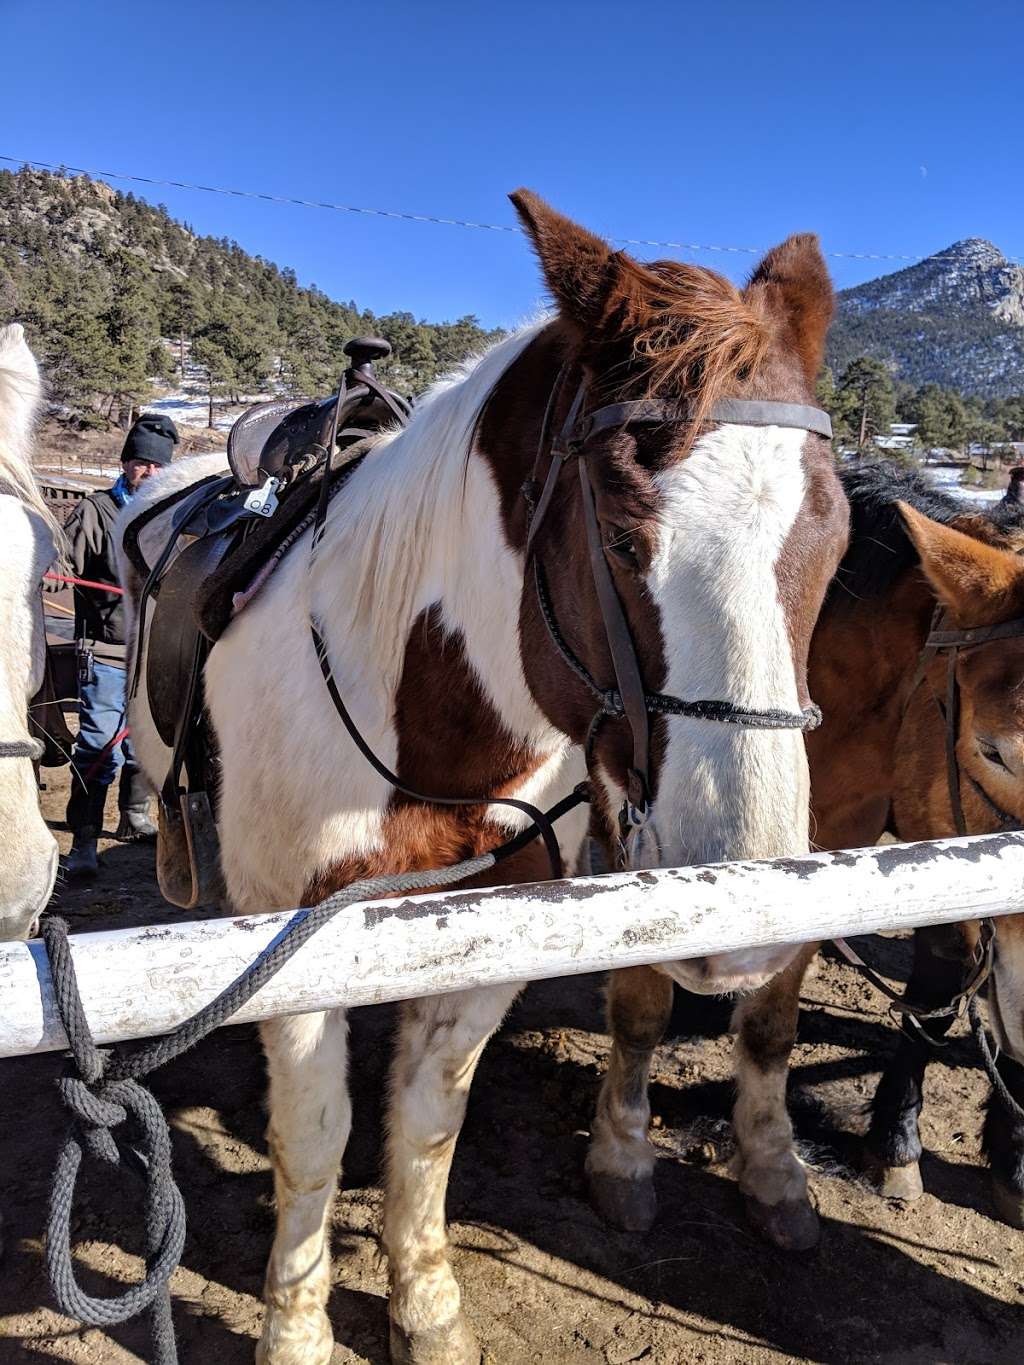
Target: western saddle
x,y
219,541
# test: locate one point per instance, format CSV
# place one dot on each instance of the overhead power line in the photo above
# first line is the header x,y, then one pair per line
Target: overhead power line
x,y
431,218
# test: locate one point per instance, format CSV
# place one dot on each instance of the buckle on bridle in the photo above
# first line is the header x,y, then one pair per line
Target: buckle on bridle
x,y
637,816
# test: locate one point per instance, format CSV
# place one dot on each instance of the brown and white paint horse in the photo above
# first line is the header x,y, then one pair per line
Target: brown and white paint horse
x,y
878,763
721,539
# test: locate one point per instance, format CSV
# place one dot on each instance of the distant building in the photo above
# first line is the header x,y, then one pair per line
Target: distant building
x,y
900,437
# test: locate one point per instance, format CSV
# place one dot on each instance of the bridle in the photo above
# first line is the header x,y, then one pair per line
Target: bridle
x,y
629,699
951,642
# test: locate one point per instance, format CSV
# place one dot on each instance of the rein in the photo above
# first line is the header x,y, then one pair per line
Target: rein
x,y
629,700
903,1012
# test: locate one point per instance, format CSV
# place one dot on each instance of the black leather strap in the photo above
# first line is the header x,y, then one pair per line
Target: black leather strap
x,y
747,412
623,652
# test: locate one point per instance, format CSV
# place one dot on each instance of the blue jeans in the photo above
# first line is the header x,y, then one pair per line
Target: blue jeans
x,y
101,717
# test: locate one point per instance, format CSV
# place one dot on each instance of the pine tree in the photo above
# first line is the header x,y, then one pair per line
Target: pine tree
x,y
865,400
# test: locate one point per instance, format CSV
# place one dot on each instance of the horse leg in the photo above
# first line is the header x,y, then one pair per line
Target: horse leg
x,y
1003,1145
892,1149
440,1043
310,1118
771,1176
620,1162
1003,1137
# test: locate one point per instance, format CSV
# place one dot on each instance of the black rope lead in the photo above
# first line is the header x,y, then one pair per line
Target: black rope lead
x,y
101,1092
98,1105
989,1061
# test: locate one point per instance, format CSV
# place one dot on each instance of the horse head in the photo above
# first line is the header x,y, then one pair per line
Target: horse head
x,y
719,526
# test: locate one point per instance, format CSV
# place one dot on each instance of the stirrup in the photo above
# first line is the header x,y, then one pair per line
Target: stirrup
x,y
188,853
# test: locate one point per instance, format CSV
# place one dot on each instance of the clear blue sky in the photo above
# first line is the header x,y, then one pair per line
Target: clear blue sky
x,y
892,127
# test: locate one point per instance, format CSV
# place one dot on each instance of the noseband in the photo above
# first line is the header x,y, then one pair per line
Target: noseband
x,y
629,699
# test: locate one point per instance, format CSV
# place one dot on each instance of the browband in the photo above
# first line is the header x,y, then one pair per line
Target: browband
x,y
749,412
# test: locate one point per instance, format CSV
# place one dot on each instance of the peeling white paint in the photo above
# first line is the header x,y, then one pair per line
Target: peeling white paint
x,y
139,982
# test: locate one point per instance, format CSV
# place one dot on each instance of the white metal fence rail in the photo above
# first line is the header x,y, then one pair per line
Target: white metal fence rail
x,y
135,983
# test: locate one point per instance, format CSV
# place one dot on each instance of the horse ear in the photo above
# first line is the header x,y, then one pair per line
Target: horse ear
x,y
579,267
794,282
980,583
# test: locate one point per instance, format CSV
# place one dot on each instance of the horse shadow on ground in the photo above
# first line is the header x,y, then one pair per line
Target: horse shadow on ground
x,y
518,1173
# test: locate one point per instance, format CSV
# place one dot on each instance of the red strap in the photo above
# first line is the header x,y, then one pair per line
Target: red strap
x,y
108,748
84,583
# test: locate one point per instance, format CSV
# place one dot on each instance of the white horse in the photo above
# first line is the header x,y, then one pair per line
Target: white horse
x,y
28,537
720,536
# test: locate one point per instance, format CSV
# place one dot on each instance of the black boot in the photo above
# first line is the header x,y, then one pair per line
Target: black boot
x,y
133,802
85,820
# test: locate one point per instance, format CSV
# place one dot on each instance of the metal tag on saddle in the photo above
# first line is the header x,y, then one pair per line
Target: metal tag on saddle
x,y
262,501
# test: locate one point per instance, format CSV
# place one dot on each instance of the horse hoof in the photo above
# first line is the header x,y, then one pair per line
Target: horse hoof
x,y
295,1339
1009,1203
630,1205
894,1182
453,1344
791,1224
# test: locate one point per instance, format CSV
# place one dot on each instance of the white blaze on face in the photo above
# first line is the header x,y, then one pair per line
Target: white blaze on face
x,y
724,791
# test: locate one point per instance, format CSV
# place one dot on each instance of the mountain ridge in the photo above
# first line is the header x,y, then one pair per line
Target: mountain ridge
x,y
955,318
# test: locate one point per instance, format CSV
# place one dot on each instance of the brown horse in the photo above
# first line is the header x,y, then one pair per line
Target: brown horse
x,y
879,762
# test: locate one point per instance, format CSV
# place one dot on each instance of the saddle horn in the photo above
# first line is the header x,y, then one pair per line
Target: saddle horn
x,y
363,351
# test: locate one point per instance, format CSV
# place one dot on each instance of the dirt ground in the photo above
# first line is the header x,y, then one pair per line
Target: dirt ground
x,y
543,1279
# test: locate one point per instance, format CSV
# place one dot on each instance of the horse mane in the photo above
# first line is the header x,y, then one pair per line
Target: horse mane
x,y
880,550
20,401
394,527
692,331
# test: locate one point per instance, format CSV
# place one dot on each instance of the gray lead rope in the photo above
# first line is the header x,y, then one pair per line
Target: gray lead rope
x,y
22,748
989,1061
101,1092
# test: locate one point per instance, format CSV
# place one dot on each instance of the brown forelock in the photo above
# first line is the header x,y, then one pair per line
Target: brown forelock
x,y
451,742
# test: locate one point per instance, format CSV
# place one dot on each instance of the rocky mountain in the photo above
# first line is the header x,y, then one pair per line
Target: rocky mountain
x,y
955,319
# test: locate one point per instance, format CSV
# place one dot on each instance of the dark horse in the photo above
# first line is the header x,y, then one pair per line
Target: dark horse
x,y
879,762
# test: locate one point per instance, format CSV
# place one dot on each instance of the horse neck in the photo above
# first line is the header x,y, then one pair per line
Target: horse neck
x,y
417,579
26,550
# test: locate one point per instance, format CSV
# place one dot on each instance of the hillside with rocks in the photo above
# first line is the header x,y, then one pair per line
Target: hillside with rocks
x,y
955,319
103,281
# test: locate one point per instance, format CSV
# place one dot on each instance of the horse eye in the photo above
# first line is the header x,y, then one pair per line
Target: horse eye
x,y
620,543
990,752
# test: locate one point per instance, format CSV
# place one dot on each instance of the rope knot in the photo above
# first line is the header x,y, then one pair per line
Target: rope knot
x,y
95,1112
